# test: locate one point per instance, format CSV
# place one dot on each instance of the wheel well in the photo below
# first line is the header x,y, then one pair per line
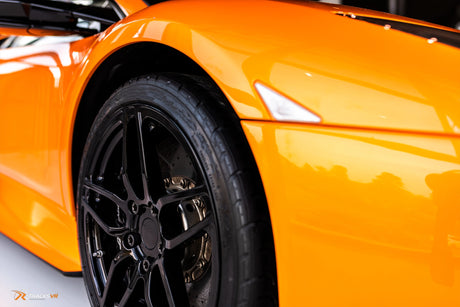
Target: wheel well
x,y
131,61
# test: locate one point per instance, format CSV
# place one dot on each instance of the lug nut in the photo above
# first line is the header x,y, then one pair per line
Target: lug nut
x,y
145,265
130,240
134,208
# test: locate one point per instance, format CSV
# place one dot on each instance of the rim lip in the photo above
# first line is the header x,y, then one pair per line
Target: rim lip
x,y
105,129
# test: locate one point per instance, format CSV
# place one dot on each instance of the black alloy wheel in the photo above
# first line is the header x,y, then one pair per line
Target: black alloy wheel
x,y
171,211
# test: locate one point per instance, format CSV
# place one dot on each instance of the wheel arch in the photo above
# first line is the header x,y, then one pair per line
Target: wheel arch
x,y
126,63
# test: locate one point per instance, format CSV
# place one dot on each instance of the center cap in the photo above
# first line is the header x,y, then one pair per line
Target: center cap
x,y
150,232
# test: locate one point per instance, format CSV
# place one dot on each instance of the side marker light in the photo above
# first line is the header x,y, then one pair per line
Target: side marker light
x,y
284,109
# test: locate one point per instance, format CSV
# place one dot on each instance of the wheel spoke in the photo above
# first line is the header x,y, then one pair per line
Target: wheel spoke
x,y
152,181
124,150
173,281
127,185
125,156
110,230
140,158
147,289
141,148
180,196
116,268
107,194
188,234
133,280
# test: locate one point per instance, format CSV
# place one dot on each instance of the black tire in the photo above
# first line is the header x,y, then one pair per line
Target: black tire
x,y
171,209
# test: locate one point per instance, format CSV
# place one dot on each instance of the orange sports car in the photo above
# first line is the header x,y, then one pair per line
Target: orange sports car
x,y
233,153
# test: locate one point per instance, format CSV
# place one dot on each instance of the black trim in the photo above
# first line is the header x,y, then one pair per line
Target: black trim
x,y
71,274
152,2
450,38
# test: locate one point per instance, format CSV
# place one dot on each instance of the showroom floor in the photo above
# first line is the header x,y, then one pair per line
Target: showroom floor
x,y
42,285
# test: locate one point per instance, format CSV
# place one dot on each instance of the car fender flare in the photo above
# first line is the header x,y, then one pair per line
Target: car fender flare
x,y
220,63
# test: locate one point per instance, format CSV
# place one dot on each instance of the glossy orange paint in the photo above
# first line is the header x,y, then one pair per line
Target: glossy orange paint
x,y
362,204
361,217
34,82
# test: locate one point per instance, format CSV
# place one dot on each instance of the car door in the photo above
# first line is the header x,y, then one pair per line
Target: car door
x,y
34,77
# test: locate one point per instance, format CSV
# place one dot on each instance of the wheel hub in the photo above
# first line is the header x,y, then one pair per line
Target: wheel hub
x,y
149,230
150,233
